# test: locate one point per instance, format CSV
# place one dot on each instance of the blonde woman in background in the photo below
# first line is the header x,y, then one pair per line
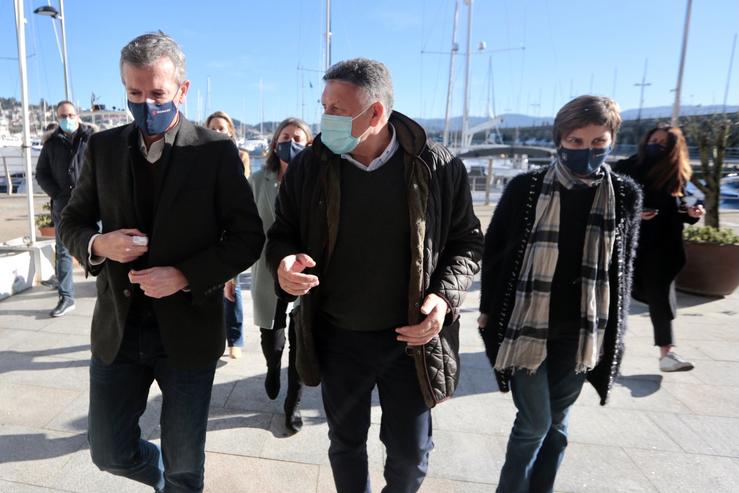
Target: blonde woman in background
x,y
233,304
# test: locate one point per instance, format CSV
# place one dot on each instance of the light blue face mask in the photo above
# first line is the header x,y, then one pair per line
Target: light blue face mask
x,y
69,125
336,132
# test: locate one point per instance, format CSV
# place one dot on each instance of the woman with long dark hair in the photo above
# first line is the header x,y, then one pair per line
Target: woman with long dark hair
x,y
662,168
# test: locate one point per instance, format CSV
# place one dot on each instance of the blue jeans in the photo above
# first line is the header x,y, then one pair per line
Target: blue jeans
x,y
538,439
118,397
234,311
63,267
352,363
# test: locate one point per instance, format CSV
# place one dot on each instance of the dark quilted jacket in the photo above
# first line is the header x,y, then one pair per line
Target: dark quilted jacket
x,y
445,249
505,244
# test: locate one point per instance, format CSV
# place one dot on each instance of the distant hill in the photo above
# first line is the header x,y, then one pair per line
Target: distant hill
x,y
511,120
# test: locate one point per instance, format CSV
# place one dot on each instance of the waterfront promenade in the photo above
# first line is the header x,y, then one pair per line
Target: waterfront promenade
x,y
661,432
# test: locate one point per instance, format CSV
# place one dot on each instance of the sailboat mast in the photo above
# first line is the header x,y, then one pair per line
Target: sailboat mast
x,y
450,87
466,114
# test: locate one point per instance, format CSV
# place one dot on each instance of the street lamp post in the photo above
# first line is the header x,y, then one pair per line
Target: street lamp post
x,y
676,105
20,29
50,11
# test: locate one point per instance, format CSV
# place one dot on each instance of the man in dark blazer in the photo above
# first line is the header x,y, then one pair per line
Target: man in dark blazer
x,y
163,216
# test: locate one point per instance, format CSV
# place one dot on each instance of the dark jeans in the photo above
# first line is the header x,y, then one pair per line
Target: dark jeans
x,y
118,397
234,312
538,439
352,363
63,268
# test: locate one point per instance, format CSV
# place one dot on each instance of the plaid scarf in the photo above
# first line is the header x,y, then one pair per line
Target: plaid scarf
x,y
525,342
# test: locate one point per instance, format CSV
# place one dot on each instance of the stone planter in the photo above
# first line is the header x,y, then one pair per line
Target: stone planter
x,y
711,269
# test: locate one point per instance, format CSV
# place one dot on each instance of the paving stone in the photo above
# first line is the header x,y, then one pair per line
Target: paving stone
x,y
67,346
77,322
636,394
27,405
708,400
34,456
237,474
22,319
9,337
674,473
720,350
617,427
474,415
708,435
723,373
467,456
45,371
600,468
81,475
237,433
10,487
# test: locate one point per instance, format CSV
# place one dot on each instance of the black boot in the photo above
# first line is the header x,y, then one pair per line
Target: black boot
x,y
273,342
293,419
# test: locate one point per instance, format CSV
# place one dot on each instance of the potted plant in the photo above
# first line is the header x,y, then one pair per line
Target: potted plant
x,y
713,261
712,267
44,223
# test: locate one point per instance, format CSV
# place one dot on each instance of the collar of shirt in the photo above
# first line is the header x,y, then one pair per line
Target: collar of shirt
x,y
154,153
382,158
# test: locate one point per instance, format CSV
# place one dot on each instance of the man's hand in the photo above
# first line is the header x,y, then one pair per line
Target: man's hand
x,y
290,277
119,246
159,282
229,290
482,320
435,309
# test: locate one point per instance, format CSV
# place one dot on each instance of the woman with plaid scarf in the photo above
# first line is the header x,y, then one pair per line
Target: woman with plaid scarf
x,y
555,287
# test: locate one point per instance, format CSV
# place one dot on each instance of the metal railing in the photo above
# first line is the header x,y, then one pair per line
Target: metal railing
x,y
13,178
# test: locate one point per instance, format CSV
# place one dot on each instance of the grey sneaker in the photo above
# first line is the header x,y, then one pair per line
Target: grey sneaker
x,y
673,362
64,306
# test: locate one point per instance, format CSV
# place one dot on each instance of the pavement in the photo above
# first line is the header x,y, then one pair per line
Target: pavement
x,y
660,432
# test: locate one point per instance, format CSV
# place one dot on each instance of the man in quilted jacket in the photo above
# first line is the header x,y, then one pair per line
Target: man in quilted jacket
x,y
375,231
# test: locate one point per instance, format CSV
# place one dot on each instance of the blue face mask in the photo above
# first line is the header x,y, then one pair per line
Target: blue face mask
x,y
583,162
336,132
655,151
152,118
287,150
69,125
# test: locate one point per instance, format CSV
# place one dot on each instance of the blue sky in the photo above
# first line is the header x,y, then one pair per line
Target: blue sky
x,y
572,47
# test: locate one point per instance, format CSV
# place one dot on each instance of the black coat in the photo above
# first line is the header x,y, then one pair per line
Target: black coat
x,y
660,253
505,244
59,166
445,245
206,225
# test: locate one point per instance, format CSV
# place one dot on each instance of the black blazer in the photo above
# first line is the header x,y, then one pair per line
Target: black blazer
x,y
206,225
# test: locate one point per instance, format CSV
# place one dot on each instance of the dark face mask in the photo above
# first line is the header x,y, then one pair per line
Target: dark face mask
x,y
655,151
152,118
287,150
583,162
